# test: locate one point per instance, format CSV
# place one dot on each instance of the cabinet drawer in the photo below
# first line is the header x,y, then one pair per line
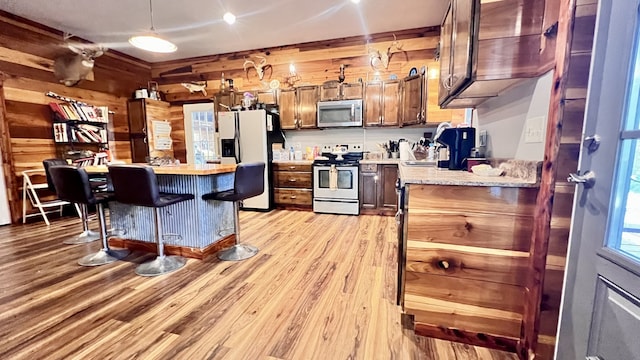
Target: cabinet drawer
x,y
292,179
293,197
369,167
291,167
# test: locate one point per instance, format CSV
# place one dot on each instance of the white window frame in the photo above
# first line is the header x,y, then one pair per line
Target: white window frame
x,y
187,110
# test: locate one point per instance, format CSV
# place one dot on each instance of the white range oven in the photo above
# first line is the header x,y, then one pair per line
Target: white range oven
x,y
335,187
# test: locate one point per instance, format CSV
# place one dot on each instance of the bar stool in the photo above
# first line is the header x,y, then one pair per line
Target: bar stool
x,y
72,184
248,182
86,235
138,185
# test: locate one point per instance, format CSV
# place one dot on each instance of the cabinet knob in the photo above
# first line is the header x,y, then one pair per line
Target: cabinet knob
x,y
292,180
292,167
293,196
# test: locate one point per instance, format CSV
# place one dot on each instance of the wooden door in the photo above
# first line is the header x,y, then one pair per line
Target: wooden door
x,y
369,186
351,91
412,100
373,104
288,119
388,197
136,110
446,32
391,103
307,106
601,300
267,97
330,91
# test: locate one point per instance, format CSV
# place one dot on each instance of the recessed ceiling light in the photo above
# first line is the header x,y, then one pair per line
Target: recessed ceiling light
x,y
229,18
355,1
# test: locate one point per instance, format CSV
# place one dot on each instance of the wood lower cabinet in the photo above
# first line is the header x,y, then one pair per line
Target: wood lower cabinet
x,y
378,189
293,185
466,261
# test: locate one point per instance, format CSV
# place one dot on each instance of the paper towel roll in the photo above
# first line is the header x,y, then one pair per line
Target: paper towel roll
x,y
404,151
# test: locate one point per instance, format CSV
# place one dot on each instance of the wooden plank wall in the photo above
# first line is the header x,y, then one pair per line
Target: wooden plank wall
x,y
315,63
574,99
27,53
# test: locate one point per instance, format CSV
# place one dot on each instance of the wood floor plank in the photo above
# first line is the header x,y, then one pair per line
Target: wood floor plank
x,y
322,287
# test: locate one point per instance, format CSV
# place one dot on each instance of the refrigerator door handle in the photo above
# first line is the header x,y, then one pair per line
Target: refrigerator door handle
x,y
236,136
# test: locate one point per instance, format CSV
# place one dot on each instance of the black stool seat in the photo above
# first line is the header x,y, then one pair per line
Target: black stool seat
x,y
138,185
248,182
86,235
72,184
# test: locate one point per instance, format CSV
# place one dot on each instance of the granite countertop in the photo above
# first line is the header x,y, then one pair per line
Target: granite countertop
x,y
519,174
294,162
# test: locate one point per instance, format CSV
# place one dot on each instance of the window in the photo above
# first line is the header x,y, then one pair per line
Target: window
x,y
200,133
624,233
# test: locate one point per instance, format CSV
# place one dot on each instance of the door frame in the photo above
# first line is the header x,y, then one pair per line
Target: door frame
x,y
8,165
188,127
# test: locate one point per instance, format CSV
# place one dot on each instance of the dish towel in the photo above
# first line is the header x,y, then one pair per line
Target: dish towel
x,y
333,178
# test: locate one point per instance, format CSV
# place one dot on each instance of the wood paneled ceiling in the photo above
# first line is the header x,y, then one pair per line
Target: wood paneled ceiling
x,y
197,28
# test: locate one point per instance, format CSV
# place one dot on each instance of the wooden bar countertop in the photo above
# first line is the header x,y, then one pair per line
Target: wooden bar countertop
x,y
182,169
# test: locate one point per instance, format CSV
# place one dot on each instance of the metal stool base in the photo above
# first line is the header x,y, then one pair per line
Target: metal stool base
x,y
237,252
161,265
86,236
103,257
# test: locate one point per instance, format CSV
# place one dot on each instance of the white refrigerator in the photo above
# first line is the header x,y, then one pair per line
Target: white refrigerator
x,y
248,136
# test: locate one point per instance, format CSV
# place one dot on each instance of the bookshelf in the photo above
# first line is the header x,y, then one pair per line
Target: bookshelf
x,y
78,127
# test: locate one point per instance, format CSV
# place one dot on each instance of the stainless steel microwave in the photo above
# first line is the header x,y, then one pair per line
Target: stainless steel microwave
x,y
340,113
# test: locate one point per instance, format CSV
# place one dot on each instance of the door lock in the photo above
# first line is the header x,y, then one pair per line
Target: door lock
x,y
588,179
593,142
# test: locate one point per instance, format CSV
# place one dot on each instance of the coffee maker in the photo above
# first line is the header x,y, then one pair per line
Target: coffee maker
x,y
459,141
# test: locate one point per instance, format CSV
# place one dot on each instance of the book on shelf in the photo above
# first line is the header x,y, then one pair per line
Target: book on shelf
x,y
60,132
80,112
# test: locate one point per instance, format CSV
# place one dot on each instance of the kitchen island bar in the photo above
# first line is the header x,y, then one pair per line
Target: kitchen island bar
x,y
192,228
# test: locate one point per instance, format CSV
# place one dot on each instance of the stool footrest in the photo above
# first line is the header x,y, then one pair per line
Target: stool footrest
x,y
238,252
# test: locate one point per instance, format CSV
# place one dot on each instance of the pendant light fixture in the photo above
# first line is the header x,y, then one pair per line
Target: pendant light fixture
x,y
152,42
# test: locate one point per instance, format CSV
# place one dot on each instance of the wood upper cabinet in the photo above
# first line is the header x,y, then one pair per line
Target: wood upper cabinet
x,y
330,91
307,97
391,102
412,93
381,100
488,47
267,97
351,91
288,109
373,104
333,90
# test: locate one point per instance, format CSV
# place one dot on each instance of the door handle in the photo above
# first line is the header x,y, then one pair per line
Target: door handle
x,y
594,357
588,179
592,142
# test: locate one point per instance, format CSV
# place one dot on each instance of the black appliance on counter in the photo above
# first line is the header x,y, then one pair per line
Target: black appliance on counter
x,y
459,141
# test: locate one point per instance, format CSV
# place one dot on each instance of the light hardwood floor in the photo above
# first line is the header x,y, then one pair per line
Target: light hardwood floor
x,y
321,287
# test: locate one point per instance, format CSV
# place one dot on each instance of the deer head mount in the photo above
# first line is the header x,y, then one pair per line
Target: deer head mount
x,y
379,60
260,66
71,68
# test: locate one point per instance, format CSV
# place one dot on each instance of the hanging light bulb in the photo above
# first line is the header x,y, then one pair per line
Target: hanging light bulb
x,y
152,42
